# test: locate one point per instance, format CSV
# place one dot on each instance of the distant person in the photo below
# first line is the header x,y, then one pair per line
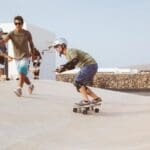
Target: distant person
x,y
3,60
88,67
36,60
21,40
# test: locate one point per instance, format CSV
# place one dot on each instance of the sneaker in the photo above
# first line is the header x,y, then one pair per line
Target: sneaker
x,y
30,89
36,78
83,103
18,92
98,100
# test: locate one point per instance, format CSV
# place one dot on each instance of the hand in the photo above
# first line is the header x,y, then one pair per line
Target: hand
x,y
10,58
57,70
60,69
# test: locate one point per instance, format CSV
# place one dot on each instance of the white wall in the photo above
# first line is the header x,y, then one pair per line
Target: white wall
x,y
42,38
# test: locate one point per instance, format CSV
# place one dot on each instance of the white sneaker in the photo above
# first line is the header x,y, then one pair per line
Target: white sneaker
x,y
18,92
30,89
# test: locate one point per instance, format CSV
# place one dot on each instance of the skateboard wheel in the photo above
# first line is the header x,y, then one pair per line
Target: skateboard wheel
x,y
75,109
85,112
92,108
96,110
87,108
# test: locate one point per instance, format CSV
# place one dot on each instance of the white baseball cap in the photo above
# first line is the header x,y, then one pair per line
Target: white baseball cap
x,y
59,41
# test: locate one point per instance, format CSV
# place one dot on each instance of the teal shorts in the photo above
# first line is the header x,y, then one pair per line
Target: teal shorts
x,y
23,65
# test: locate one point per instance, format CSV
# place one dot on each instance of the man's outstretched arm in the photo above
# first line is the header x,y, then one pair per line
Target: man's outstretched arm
x,y
68,66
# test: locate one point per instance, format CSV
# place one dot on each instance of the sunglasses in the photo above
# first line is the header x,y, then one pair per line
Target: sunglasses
x,y
56,46
18,23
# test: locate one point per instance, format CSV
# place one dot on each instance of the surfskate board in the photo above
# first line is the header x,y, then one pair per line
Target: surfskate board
x,y
85,109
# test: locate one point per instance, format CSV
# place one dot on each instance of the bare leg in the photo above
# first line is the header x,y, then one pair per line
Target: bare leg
x,y
30,86
1,71
91,93
27,81
96,99
21,80
84,94
36,74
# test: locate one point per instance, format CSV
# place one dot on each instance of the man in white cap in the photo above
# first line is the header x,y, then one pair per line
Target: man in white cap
x,y
88,67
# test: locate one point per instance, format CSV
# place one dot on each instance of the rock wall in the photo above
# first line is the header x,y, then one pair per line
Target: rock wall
x,y
114,81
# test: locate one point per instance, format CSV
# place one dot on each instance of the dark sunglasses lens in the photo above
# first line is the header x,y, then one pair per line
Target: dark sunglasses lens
x,y
56,46
18,23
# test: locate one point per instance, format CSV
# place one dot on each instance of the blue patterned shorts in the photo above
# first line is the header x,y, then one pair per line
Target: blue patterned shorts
x,y
86,74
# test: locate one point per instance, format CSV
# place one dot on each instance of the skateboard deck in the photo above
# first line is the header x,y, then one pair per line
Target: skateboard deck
x,y
86,108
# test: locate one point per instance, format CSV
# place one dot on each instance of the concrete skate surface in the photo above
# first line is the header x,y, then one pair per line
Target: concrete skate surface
x,y
45,121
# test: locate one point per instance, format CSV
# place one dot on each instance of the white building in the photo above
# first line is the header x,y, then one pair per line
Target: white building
x,y
41,38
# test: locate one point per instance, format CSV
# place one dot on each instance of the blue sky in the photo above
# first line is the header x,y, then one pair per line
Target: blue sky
x,y
115,32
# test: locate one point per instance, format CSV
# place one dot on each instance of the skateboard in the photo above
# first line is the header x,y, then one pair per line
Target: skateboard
x,y
86,108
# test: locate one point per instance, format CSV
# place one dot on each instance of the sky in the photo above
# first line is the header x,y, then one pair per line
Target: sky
x,y
115,32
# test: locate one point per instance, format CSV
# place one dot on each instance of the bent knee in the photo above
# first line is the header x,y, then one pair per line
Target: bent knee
x,y
78,85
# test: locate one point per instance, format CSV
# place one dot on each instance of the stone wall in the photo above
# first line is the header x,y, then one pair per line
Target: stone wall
x,y
114,81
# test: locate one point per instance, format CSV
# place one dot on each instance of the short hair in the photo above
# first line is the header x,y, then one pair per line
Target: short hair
x,y
19,18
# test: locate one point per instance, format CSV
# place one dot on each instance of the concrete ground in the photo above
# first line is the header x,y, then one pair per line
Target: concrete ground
x,y
45,121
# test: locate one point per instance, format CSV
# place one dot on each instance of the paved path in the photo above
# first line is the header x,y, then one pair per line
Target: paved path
x,y
45,121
